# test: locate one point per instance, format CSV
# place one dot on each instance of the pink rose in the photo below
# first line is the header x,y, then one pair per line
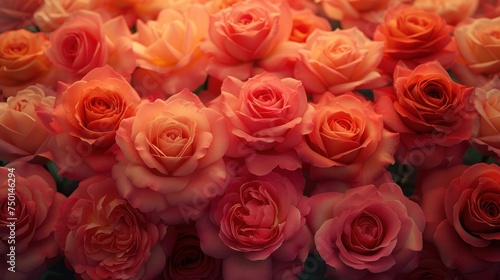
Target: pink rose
x,y
460,204
85,120
267,117
30,200
415,37
339,61
168,51
256,222
431,112
84,42
170,158
17,14
486,134
245,33
104,237
22,135
348,141
367,232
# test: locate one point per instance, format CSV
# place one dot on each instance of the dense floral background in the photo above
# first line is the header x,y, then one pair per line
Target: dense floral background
x,y
257,139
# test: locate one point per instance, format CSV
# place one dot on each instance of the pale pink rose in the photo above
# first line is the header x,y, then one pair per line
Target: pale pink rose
x,y
52,14
84,122
256,222
367,232
84,42
348,142
304,23
451,11
478,45
36,208
246,33
339,61
267,117
23,61
168,51
22,135
103,237
170,158
17,14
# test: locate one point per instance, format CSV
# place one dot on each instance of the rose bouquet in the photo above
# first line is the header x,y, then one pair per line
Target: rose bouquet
x,y
249,139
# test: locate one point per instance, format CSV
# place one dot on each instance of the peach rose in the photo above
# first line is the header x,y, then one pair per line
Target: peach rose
x,y
339,61
414,37
30,200
22,60
22,135
479,46
304,23
348,141
170,158
52,14
85,120
168,51
486,136
17,14
453,12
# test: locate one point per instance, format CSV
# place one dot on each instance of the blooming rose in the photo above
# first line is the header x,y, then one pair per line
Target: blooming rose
x,y
84,42
29,199
339,61
168,50
22,60
486,135
185,259
366,232
453,12
85,120
22,136
415,37
348,141
267,117
257,221
245,33
432,113
304,23
53,13
17,14
478,45
461,205
170,158
104,237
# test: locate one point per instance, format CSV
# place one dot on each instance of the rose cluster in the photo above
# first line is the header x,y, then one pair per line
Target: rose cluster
x,y
250,139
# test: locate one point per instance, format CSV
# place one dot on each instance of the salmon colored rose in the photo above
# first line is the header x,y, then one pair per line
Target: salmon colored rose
x,y
433,115
17,14
22,135
414,37
339,61
85,120
267,117
256,222
453,12
348,141
22,60
304,23
461,205
53,13
486,135
168,51
29,199
367,232
103,237
170,158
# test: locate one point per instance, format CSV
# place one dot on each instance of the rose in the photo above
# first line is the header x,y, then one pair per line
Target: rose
x,y
168,49
415,37
486,135
170,158
52,13
453,14
104,237
185,259
367,231
304,23
22,135
85,120
460,204
432,114
488,8
22,60
17,14
348,141
29,199
478,45
339,61
257,221
267,117
84,42
245,33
